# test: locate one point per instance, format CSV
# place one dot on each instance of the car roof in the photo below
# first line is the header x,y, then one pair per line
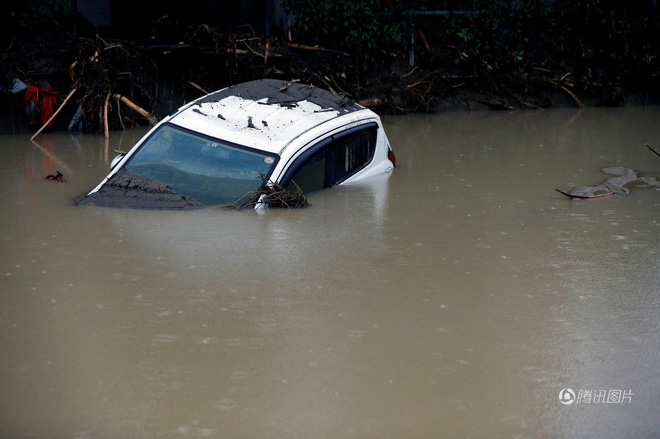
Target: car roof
x,y
265,114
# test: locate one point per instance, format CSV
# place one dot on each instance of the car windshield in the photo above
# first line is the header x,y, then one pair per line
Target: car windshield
x,y
206,169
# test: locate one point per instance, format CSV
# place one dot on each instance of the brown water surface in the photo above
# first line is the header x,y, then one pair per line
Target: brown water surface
x,y
456,298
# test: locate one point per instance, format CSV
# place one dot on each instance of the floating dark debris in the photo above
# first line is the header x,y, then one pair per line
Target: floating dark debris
x,y
58,177
583,196
278,197
653,150
623,177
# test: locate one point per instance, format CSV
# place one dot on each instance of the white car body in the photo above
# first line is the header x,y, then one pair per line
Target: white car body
x,y
287,122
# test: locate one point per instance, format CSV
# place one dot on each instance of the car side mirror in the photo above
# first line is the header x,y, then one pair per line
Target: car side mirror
x,y
116,161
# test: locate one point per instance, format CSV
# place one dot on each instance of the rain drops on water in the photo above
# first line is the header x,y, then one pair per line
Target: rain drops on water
x,y
225,404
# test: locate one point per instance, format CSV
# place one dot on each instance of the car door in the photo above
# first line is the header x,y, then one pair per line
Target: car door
x,y
333,160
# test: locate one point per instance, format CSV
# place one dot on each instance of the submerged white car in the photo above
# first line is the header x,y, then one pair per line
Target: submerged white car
x,y
225,147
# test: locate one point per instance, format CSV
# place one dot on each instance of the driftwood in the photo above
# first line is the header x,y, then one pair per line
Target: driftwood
x,y
653,150
164,47
277,196
617,184
274,196
96,87
371,102
106,130
288,84
198,87
73,90
563,83
144,113
583,196
267,47
423,37
316,49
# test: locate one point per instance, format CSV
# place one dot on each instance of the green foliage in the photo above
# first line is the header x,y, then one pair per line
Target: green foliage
x,y
603,44
609,45
361,28
37,14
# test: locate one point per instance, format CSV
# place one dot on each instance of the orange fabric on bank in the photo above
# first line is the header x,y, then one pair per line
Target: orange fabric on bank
x,y
45,98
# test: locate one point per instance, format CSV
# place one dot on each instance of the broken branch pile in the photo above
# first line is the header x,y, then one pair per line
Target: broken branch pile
x,y
96,78
274,195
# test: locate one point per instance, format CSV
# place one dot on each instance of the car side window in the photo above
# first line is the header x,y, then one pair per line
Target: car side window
x,y
338,159
311,176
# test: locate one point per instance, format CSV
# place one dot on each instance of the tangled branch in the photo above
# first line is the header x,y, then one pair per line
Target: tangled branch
x,y
274,195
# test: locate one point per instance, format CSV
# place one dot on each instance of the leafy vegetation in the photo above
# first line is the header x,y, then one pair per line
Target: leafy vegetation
x,y
598,47
399,55
36,14
364,29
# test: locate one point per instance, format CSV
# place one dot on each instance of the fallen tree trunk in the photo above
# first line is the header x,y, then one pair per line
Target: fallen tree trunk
x,y
315,49
144,113
106,130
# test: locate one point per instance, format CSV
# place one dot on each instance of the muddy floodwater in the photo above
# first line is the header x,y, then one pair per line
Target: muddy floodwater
x,y
462,296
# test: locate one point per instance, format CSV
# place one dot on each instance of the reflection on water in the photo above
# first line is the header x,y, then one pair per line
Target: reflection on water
x,y
455,298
